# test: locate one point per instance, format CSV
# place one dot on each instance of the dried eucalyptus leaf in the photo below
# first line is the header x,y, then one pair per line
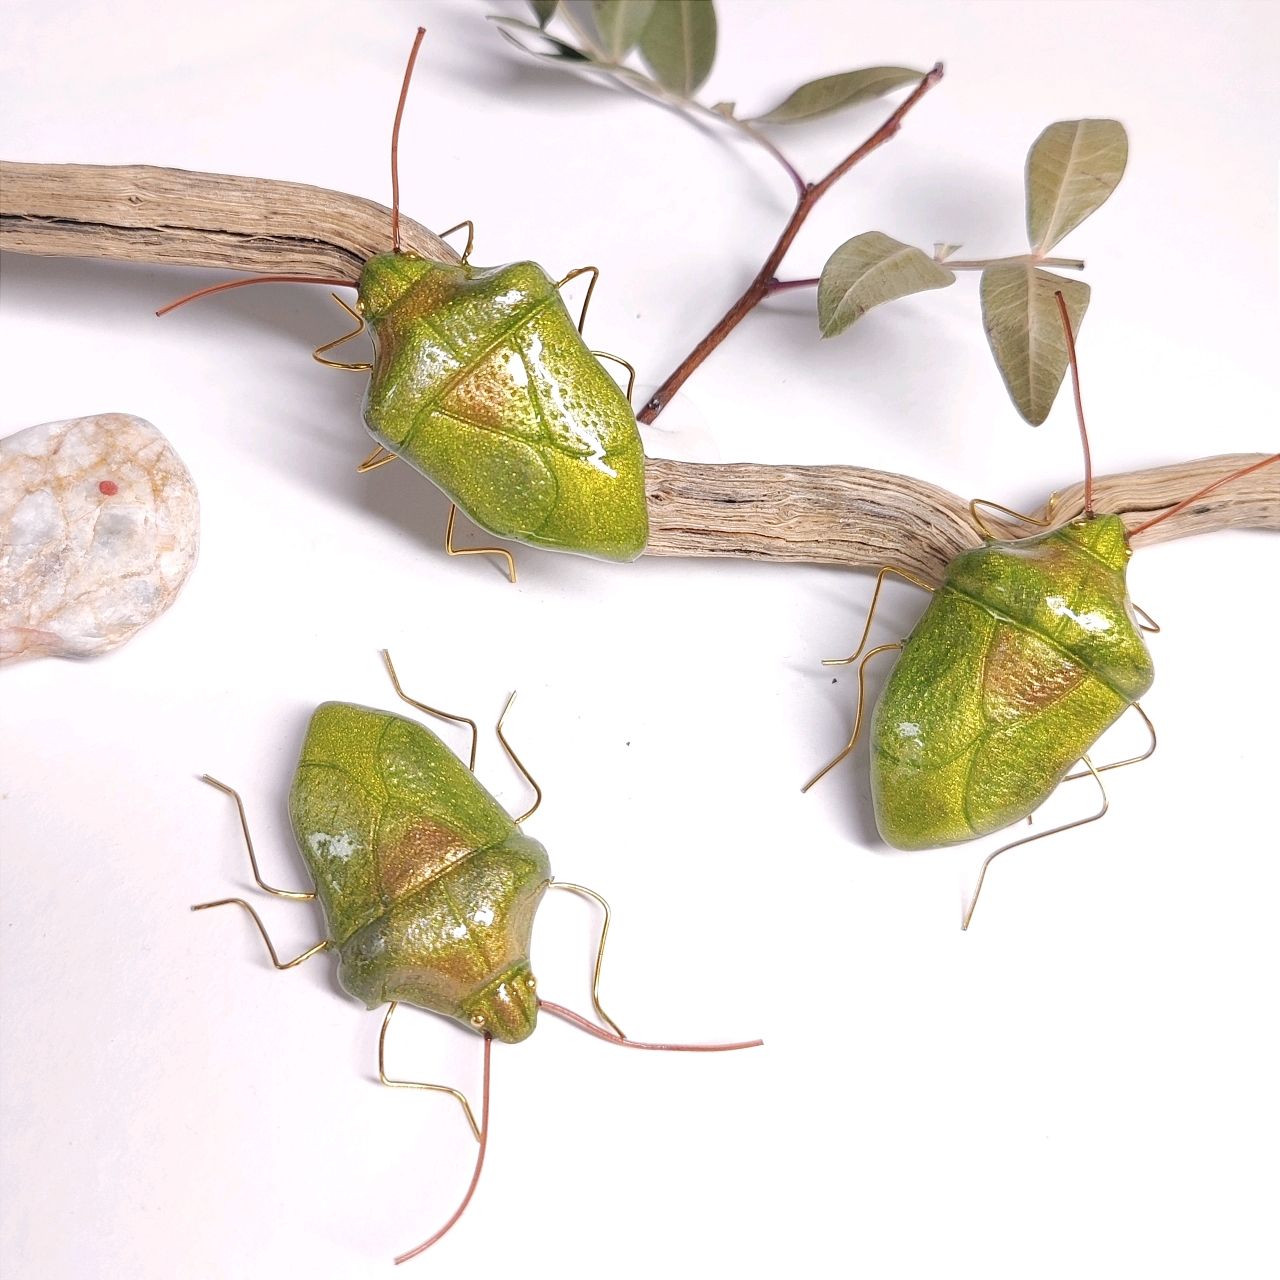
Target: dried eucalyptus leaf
x,y
831,93
1024,328
621,23
543,10
553,49
1072,167
870,269
679,44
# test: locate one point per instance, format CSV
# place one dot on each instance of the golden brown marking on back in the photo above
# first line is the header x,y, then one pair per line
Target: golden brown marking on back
x,y
421,853
1023,675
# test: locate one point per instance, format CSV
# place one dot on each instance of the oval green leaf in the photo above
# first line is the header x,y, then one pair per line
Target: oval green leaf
x,y
543,10
679,44
832,93
1072,167
1024,328
870,269
621,23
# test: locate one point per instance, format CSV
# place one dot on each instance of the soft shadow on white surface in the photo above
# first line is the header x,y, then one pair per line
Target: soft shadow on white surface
x,y
1082,1085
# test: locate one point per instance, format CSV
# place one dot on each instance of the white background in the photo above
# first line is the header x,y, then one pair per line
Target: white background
x,y
1083,1085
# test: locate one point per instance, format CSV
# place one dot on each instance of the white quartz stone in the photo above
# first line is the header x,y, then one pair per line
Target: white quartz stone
x,y
99,528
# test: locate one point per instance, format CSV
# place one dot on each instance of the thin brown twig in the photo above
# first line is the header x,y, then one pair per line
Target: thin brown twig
x,y
761,286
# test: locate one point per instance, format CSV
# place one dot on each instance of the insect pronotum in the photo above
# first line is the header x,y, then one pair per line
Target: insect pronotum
x,y
1029,650
429,889
481,381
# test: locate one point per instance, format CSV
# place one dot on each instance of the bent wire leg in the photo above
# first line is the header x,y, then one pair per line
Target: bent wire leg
x,y
297,895
476,551
275,959
515,760
360,366
418,1084
1039,835
471,236
857,719
583,891
1120,764
378,458
432,711
626,364
986,530
1148,623
591,288
871,612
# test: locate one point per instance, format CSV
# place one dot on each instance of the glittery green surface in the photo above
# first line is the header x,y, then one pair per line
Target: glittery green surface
x,y
481,382
1026,654
428,887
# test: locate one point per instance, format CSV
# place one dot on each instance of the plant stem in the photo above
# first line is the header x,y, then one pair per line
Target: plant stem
x,y
743,127
976,264
781,286
651,89
765,281
981,264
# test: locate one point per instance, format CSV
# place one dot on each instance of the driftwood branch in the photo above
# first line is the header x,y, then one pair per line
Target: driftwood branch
x,y
137,213
820,515
856,517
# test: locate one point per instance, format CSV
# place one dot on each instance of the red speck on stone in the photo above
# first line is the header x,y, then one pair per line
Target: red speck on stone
x,y
109,487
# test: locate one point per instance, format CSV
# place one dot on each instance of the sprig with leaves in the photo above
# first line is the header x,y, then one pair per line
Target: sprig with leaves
x,y
664,50
1072,167
676,41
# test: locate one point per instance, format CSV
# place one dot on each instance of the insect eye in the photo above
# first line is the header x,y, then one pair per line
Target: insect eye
x,y
477,1019
531,983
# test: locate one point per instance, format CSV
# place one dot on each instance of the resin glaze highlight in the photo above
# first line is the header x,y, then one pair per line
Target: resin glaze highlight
x,y
482,382
398,834
1026,654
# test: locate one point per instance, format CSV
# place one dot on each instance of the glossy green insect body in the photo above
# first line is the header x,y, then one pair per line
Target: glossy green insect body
x,y
1027,653
482,382
429,889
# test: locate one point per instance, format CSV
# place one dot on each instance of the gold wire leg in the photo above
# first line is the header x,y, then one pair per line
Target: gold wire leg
x,y
626,364
378,458
248,844
1007,511
475,551
583,891
418,1084
1039,835
871,612
433,711
262,929
515,760
1120,764
591,288
362,366
857,719
471,236
1147,623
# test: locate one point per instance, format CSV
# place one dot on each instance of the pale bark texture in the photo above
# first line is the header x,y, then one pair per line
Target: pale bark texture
x,y
838,515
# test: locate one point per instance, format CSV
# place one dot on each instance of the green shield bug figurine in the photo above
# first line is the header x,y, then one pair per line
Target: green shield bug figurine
x,y
482,382
429,889
1028,652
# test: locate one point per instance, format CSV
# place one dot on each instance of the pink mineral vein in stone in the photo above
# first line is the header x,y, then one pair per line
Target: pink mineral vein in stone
x,y
86,562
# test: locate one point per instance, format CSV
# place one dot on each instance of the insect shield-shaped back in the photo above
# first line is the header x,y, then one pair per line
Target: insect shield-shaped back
x,y
482,382
1027,653
428,887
